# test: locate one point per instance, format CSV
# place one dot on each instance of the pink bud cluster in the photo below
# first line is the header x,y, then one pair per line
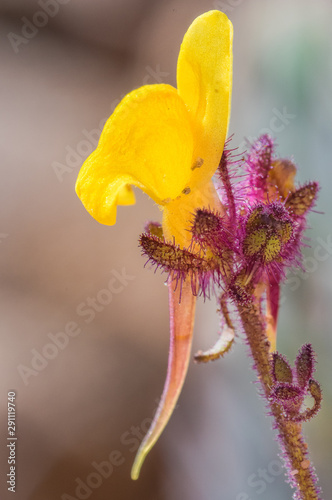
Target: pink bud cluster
x,y
258,236
292,385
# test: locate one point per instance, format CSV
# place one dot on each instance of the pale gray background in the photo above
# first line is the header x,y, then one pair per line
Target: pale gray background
x,y
54,256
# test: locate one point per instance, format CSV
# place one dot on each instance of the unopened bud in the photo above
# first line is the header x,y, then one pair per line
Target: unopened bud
x,y
302,200
209,231
304,364
268,230
281,371
181,262
281,177
289,397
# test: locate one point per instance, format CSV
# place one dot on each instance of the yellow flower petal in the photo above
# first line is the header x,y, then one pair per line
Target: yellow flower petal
x,y
126,196
178,215
147,142
204,76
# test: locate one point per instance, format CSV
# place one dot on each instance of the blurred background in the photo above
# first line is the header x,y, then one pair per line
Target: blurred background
x,y
87,365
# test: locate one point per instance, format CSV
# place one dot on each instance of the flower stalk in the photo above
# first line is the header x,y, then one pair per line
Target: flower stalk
x,y
301,474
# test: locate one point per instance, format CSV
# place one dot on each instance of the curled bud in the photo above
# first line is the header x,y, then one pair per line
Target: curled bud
x,y
281,371
223,345
316,393
290,396
302,200
304,364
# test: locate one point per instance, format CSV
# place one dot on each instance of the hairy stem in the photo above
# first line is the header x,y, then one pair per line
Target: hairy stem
x,y
295,451
224,175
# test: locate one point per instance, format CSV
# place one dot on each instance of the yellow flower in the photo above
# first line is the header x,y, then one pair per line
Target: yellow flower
x,y
168,142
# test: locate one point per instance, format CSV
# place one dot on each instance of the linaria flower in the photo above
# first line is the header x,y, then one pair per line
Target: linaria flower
x,y
168,142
